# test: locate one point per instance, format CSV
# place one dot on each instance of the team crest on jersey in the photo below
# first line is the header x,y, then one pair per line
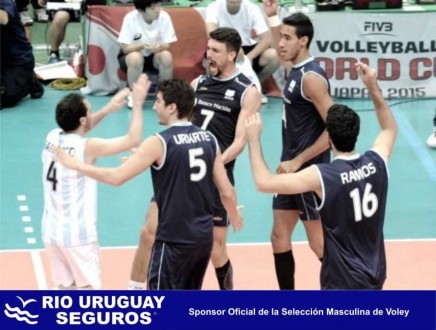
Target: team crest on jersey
x,y
291,86
201,79
230,94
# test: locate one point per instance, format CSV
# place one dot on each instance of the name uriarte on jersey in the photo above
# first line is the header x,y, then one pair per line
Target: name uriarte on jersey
x,y
70,212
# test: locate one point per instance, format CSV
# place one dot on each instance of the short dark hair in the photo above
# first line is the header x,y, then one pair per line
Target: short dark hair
x,y
144,4
343,126
180,93
302,24
229,36
69,110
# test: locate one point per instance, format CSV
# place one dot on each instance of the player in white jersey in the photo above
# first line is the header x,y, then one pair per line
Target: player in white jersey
x,y
69,221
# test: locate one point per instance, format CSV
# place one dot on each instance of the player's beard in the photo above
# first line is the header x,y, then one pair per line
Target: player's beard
x,y
214,70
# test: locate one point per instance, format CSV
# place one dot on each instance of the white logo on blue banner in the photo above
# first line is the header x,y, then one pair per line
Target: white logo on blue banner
x,y
21,315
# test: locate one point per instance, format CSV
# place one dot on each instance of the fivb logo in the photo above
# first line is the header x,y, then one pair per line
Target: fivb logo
x,y
21,315
378,28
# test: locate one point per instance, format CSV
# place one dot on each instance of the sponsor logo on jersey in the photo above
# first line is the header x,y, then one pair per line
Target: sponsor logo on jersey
x,y
229,94
137,36
291,86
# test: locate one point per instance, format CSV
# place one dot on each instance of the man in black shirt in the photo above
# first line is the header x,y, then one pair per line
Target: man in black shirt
x,y
224,99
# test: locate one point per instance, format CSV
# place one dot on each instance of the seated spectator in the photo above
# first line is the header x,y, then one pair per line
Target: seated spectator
x,y
145,38
39,12
17,61
58,27
40,15
246,18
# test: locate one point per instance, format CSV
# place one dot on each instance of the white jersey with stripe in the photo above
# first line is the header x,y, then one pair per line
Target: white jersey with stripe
x,y
70,198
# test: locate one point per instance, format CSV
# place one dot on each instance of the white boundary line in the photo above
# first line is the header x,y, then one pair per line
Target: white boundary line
x,y
39,269
405,240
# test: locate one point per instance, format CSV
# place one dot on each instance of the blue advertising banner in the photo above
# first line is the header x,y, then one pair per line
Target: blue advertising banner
x,y
218,309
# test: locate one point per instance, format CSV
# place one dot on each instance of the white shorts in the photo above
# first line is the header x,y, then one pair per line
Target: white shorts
x,y
77,266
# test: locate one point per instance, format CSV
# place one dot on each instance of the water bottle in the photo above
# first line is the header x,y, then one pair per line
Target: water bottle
x,y
298,5
67,53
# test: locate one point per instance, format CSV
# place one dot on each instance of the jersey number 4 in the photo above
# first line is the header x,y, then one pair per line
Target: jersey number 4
x,y
365,206
51,175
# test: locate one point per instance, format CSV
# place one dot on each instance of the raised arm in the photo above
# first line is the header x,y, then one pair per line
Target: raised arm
x,y
250,105
270,8
98,147
384,143
150,151
115,104
267,182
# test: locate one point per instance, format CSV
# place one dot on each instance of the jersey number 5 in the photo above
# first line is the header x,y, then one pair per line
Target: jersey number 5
x,y
367,205
196,161
51,175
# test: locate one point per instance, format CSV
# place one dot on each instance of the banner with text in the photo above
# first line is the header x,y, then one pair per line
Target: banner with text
x,y
401,46
218,309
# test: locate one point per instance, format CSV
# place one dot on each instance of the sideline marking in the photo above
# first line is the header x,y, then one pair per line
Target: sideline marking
x,y
418,147
24,208
397,240
39,270
26,218
31,240
28,230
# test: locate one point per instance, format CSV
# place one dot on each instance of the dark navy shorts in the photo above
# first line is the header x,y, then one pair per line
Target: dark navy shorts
x,y
175,266
220,218
148,63
305,203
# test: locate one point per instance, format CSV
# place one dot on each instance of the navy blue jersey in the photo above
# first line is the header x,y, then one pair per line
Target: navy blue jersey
x,y
301,123
352,216
217,107
183,185
16,49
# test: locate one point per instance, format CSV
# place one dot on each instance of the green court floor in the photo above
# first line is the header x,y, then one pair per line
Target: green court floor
x,y
411,209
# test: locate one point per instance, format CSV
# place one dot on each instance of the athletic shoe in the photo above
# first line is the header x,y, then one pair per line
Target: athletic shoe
x,y
53,59
431,141
40,15
37,90
263,99
26,20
